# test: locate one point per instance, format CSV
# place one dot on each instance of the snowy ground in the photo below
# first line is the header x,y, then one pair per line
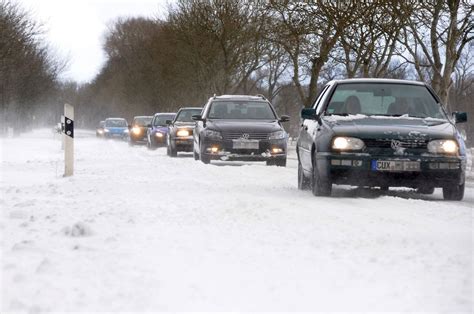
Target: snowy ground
x,y
135,230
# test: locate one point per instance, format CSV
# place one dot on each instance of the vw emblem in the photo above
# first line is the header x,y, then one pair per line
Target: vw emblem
x,y
396,144
245,136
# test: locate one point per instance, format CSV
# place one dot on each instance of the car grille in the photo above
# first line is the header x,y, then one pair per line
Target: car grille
x,y
403,143
251,136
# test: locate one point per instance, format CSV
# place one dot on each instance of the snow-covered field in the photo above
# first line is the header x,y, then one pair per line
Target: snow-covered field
x,y
135,230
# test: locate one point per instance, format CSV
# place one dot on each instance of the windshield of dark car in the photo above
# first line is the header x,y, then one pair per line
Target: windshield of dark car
x,y
386,99
142,121
161,119
187,114
257,110
116,123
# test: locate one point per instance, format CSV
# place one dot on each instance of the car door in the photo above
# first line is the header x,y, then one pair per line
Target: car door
x,y
308,130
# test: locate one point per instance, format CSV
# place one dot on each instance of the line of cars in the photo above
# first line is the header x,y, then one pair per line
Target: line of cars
x,y
362,132
228,127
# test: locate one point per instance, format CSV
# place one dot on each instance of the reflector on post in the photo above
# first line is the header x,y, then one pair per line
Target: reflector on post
x,y
68,140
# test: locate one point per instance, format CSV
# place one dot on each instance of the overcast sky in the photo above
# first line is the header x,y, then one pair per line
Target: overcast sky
x,y
75,28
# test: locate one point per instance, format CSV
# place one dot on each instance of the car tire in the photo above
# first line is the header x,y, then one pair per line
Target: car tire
x,y
195,155
425,190
171,151
320,186
453,193
280,162
304,183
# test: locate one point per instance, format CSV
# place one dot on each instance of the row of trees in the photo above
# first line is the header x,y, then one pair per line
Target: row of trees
x,y
280,48
28,71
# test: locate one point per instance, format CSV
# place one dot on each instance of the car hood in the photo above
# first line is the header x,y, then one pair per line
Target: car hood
x,y
163,129
247,126
390,127
185,124
117,129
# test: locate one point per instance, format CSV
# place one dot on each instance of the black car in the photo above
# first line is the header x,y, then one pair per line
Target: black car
x,y
138,130
180,135
158,130
235,127
381,133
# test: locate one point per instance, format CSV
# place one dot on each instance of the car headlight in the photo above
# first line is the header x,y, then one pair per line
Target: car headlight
x,y
347,143
136,130
278,135
443,147
159,134
212,134
182,133
106,130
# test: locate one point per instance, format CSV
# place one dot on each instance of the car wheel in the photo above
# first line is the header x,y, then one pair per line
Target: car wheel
x,y
303,182
204,159
195,155
171,151
320,186
454,193
425,190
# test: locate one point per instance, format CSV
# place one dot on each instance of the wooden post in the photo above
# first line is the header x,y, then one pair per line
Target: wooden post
x,y
68,140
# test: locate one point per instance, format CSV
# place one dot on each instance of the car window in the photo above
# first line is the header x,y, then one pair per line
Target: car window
x,y
249,110
116,123
386,99
142,121
187,114
161,119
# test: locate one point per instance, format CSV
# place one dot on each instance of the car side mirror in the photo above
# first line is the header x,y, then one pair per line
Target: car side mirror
x,y
168,122
284,118
148,125
460,117
309,113
197,117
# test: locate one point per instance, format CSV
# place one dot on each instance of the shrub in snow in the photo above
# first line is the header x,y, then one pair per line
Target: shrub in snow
x,y
79,229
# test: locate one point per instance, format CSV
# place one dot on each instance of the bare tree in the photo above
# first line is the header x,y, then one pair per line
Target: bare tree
x,y
437,32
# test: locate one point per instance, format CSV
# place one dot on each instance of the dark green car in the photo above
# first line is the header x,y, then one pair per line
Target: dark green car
x,y
381,133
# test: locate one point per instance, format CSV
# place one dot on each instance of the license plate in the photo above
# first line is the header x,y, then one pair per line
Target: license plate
x,y
248,144
395,165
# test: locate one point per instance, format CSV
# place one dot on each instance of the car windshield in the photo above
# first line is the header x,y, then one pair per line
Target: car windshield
x,y
385,99
161,119
101,124
142,121
116,123
248,110
186,115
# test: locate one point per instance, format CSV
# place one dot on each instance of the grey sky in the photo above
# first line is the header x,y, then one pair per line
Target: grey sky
x,y
75,28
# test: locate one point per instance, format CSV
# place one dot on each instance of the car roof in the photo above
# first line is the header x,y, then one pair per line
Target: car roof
x,y
377,80
240,97
116,119
190,108
165,113
136,117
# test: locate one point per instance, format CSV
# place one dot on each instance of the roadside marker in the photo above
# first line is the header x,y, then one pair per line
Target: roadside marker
x,y
68,136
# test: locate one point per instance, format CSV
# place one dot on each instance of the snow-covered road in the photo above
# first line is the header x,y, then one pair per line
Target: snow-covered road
x,y
135,230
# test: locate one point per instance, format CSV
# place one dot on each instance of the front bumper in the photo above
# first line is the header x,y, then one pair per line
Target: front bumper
x,y
183,144
224,150
358,169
